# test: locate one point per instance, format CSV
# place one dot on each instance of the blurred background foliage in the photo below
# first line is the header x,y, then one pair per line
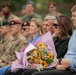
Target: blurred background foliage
x,y
41,8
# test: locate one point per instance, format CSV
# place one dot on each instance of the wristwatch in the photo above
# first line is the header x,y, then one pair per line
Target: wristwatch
x,y
60,59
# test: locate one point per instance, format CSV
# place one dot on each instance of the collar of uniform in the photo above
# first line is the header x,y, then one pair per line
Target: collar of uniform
x,y
11,38
21,37
8,19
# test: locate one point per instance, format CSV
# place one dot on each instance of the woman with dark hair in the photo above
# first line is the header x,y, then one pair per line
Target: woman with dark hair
x,y
63,29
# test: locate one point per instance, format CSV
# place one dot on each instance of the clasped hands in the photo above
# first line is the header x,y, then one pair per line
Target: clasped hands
x,y
64,64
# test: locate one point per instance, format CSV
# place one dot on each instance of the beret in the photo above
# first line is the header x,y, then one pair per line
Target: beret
x,y
25,23
6,23
14,22
1,23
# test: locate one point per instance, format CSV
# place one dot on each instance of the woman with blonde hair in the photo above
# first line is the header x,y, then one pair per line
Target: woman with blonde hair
x,y
36,29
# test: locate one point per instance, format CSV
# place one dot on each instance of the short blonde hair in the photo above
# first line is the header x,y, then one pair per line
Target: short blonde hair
x,y
39,23
73,8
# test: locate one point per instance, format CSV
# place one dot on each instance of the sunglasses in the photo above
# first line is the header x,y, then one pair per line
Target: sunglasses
x,y
55,25
23,29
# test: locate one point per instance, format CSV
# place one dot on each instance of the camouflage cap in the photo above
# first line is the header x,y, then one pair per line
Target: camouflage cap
x,y
15,22
6,23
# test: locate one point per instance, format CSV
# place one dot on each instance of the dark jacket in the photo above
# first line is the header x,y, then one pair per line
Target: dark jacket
x,y
61,46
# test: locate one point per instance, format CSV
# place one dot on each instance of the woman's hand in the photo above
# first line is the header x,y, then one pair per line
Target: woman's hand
x,y
65,62
61,67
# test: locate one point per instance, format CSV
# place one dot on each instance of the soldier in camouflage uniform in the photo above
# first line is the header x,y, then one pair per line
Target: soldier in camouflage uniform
x,y
30,12
18,42
7,12
16,30
6,41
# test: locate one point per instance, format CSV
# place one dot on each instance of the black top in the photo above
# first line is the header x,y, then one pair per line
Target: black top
x,y
61,46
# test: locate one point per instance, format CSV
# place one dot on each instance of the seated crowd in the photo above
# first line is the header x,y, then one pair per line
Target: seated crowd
x,y
16,34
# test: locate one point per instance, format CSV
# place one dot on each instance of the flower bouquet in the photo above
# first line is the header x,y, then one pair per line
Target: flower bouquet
x,y
38,55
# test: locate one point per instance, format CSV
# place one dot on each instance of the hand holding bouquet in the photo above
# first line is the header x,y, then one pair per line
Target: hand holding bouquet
x,y
39,57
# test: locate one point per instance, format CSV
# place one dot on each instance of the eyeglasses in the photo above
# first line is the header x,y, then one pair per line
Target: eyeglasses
x,y
55,25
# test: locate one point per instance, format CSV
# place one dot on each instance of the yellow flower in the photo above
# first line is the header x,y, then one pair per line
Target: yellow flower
x,y
33,57
41,45
44,63
39,56
50,56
